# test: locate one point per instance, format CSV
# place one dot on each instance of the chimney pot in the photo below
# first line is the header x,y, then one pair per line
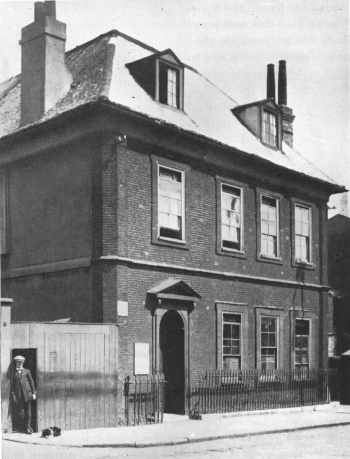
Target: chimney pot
x,y
270,82
43,10
282,83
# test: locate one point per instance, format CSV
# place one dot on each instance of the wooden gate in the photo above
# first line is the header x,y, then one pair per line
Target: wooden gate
x,y
76,372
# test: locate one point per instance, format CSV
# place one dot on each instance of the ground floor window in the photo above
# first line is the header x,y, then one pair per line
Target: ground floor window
x,y
302,344
268,343
231,341
232,336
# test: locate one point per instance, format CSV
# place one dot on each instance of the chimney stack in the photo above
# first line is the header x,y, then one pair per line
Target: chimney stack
x,y
270,82
282,83
45,77
287,112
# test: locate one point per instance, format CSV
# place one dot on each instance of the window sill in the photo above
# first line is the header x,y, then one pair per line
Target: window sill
x,y
303,264
231,253
267,259
171,243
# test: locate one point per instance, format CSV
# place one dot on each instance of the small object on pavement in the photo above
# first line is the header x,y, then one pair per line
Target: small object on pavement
x,y
54,431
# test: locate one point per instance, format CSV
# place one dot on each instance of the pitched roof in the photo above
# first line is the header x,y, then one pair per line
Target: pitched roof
x,y
99,71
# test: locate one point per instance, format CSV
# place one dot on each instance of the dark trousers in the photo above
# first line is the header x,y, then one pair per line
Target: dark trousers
x,y
22,416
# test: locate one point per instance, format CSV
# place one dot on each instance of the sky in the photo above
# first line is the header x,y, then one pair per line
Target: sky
x,y
231,42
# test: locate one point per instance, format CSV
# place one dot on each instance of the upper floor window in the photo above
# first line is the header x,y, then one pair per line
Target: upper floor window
x,y
268,343
302,218
301,344
231,341
171,211
269,128
161,75
231,217
269,245
169,85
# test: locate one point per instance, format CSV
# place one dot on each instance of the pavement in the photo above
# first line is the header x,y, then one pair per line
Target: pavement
x,y
178,429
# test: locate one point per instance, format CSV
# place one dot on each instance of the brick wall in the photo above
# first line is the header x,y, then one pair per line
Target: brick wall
x,y
133,226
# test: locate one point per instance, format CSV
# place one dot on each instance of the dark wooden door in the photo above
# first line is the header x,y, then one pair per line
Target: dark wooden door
x,y
172,348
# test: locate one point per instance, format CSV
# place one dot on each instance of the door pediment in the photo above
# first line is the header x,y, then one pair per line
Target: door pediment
x,y
173,289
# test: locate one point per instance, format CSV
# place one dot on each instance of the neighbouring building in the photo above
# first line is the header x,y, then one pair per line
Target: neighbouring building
x,y
135,192
339,278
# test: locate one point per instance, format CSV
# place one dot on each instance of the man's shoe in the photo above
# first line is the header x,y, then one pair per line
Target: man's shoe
x,y
29,431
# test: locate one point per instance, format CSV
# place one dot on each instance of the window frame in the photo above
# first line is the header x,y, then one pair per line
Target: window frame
x,y
296,262
227,307
158,163
277,197
309,342
180,83
240,338
261,347
279,315
264,137
220,182
276,113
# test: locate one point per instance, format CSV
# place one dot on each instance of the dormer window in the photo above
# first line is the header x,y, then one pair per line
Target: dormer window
x,y
263,119
161,75
169,85
269,128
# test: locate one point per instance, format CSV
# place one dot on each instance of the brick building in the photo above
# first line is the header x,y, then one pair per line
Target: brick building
x,y
339,272
134,191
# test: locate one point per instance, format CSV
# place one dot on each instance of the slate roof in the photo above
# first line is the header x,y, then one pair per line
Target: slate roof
x,y
99,71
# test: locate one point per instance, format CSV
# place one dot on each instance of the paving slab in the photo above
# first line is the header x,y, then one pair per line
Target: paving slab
x,y
180,429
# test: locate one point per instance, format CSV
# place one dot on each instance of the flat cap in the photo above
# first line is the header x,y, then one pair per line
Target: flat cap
x,y
19,357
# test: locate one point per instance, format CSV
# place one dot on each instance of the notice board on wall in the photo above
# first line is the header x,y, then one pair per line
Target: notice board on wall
x,y
141,359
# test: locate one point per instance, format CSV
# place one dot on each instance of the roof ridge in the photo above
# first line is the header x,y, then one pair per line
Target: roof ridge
x,y
112,33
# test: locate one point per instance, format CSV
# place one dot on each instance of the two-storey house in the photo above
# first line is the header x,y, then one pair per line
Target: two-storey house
x,y
135,191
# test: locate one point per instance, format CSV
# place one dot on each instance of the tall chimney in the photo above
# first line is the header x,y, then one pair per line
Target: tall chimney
x,y
270,82
287,112
45,77
282,83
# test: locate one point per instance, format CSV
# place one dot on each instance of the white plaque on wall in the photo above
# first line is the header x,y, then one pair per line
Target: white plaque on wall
x,y
122,308
141,359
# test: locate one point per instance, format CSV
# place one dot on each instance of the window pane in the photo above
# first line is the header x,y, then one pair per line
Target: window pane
x,y
268,340
302,233
236,318
231,217
268,359
269,226
302,327
170,211
231,344
172,87
269,134
268,324
301,342
231,363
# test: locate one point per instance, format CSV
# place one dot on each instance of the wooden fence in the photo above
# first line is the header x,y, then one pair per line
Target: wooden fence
x,y
220,391
144,399
76,371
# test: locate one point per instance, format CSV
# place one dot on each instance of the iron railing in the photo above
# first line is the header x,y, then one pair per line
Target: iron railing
x,y
144,399
222,391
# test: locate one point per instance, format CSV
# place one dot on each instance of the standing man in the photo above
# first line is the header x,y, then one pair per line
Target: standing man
x,y
22,394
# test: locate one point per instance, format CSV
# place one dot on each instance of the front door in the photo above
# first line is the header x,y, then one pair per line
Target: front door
x,y
173,361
